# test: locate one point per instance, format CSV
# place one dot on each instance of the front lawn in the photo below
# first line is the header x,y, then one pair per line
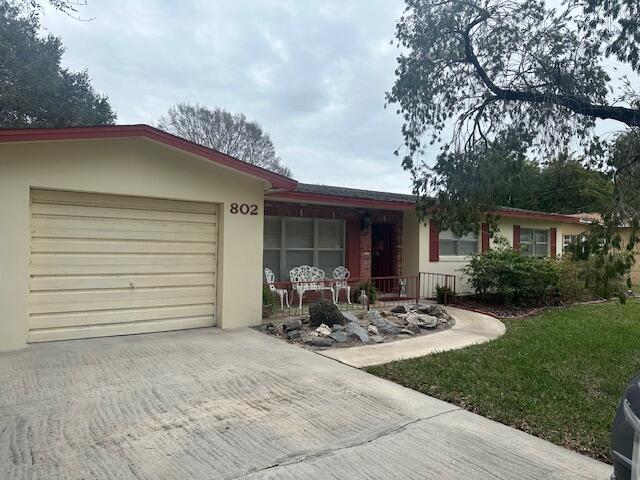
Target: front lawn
x,y
557,375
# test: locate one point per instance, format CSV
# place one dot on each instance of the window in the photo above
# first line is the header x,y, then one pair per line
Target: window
x,y
290,242
570,241
458,246
534,242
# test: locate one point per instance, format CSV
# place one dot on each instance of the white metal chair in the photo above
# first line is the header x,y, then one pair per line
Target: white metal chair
x,y
308,279
340,275
281,292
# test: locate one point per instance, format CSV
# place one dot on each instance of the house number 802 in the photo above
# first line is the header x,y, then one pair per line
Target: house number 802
x,y
244,209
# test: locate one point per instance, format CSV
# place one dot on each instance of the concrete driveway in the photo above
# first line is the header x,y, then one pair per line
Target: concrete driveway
x,y
205,404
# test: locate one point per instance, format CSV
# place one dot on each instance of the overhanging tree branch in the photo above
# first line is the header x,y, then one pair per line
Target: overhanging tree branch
x,y
574,103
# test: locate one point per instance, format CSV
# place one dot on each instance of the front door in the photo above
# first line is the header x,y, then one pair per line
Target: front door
x,y
383,258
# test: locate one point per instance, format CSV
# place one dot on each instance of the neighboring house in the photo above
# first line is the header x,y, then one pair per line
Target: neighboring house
x,y
127,229
573,233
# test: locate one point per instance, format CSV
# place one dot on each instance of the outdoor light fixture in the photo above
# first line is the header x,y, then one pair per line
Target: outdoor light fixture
x,y
365,222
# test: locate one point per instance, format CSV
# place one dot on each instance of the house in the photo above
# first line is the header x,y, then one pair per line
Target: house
x,y
573,233
116,230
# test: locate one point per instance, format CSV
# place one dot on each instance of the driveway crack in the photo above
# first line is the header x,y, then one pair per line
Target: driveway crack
x,y
329,451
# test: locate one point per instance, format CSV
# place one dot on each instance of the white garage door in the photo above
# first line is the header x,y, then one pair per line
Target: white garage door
x,y
112,265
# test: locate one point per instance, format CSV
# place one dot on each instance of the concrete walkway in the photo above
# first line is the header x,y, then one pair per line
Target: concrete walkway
x,y
210,404
470,328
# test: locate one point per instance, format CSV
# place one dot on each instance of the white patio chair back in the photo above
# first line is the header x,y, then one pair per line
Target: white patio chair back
x,y
340,275
281,292
271,278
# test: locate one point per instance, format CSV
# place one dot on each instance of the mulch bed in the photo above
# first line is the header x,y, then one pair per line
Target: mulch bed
x,y
513,311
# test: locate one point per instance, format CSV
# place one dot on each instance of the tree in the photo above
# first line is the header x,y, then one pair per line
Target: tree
x,y
35,91
471,184
495,67
228,133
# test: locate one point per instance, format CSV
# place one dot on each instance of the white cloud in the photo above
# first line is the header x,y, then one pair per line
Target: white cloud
x,y
313,74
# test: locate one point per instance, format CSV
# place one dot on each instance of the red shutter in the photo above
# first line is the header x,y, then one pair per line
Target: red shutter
x,y
485,237
552,242
353,247
516,237
434,242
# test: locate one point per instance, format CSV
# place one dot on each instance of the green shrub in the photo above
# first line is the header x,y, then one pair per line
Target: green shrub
x,y
267,297
572,285
444,294
510,276
369,288
325,311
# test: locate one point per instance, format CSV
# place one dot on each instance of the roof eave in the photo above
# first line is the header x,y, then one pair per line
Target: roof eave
x,y
145,131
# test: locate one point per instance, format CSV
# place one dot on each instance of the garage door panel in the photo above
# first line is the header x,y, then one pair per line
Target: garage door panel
x,y
56,197
118,269
75,319
80,233
120,281
108,265
83,245
82,211
118,224
129,328
131,260
138,302
123,296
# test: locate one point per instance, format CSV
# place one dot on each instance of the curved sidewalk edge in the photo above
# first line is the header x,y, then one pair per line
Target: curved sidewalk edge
x,y
471,328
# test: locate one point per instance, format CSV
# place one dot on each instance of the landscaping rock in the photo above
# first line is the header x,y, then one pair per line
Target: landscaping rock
x,y
435,311
354,329
377,339
412,327
385,313
422,320
384,325
305,320
372,330
406,331
338,328
339,337
318,341
325,312
323,330
294,334
399,309
293,325
350,317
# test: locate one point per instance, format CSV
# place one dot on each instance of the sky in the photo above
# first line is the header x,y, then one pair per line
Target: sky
x,y
312,73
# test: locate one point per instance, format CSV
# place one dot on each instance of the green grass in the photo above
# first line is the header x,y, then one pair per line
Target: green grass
x,y
557,375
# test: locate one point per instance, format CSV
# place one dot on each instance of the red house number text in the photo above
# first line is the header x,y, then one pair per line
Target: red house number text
x,y
244,208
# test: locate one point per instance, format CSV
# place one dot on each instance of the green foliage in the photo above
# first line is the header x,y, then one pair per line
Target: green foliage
x,y
572,285
507,275
35,91
267,297
444,294
470,184
369,288
513,77
325,311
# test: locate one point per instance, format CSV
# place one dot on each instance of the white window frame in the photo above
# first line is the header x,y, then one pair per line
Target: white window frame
x,y
283,274
530,248
456,242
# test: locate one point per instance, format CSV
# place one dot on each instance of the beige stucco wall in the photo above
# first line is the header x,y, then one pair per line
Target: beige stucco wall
x,y
416,245
127,167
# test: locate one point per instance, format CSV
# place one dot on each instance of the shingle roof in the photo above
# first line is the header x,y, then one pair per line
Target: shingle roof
x,y
354,193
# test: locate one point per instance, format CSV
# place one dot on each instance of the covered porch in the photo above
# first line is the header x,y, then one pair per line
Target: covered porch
x,y
329,227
